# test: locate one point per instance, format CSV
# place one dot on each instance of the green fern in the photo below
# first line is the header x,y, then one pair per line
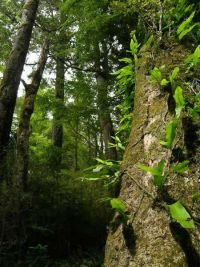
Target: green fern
x,y
170,134
185,27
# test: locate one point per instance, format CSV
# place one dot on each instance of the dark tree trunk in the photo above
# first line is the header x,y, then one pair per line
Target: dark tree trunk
x,y
24,123
58,115
76,145
57,130
12,75
150,238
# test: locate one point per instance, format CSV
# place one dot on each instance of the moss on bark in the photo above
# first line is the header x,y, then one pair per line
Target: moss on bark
x,y
155,242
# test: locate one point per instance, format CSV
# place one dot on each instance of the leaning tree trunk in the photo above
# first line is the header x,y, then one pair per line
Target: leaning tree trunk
x,y
12,75
150,238
24,123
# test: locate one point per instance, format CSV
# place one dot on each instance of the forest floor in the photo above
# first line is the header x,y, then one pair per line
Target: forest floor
x,y
62,223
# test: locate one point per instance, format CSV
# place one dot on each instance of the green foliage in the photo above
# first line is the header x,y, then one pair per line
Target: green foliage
x,y
180,101
185,27
125,75
157,172
156,75
37,256
173,76
180,10
88,258
195,111
118,205
170,134
180,167
106,171
193,59
164,82
134,46
180,214
118,144
196,197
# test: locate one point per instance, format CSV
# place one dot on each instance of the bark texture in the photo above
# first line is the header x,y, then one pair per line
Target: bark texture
x,y
150,238
12,74
24,123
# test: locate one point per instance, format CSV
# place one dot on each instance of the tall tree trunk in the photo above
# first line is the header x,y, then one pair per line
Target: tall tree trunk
x,y
105,118
76,144
59,88
150,238
102,77
57,130
12,74
89,143
24,123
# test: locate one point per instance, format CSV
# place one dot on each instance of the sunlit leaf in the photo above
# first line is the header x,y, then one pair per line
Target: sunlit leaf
x,y
170,134
180,101
174,74
180,214
164,82
118,205
156,171
156,75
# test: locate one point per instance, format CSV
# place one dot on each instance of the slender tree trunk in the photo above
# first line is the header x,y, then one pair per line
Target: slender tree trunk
x,y
106,125
76,145
96,151
57,130
12,74
89,142
150,238
58,114
24,123
105,119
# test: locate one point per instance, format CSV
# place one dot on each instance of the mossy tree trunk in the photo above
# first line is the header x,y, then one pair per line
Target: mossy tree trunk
x,y
24,123
12,75
150,238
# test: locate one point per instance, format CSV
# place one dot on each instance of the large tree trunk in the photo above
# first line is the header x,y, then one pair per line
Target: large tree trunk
x,y
24,123
150,238
12,74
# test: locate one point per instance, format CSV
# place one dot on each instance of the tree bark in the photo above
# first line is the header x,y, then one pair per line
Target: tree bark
x,y
24,123
150,238
76,144
57,129
102,78
12,74
105,118
59,88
